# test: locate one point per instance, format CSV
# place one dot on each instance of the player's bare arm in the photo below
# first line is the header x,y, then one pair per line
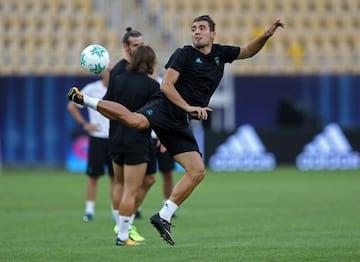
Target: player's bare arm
x,y
258,43
168,88
75,112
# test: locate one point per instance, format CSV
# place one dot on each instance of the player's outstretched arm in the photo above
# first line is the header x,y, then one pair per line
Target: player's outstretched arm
x,y
258,43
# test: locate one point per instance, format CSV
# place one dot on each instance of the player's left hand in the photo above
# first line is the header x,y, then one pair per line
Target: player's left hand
x,y
198,112
271,30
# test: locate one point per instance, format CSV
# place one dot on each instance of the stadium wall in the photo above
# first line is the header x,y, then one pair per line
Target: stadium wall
x,y
36,128
310,98
286,144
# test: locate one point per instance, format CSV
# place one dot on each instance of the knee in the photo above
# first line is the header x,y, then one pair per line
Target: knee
x,y
202,174
198,175
118,188
149,181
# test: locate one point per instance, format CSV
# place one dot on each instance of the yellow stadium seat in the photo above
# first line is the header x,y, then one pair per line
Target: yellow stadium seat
x,y
317,31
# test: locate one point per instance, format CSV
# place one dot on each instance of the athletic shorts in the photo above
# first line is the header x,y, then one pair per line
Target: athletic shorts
x,y
138,158
99,160
151,168
165,162
171,125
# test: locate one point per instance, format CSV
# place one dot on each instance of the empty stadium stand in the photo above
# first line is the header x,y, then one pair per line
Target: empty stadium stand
x,y
321,36
47,36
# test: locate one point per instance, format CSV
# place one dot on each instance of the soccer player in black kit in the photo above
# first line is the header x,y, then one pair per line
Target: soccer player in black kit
x,y
133,152
131,40
192,75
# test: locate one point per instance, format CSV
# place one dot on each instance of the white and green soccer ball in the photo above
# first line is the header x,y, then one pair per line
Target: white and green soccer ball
x,y
95,59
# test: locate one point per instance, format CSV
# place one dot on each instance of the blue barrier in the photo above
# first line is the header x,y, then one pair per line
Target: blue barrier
x,y
36,128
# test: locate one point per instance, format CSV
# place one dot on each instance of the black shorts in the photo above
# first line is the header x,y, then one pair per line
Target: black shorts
x,y
165,162
99,157
151,168
171,125
138,158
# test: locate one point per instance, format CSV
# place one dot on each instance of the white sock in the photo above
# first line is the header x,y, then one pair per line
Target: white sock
x,y
124,226
91,102
90,207
132,219
168,210
116,216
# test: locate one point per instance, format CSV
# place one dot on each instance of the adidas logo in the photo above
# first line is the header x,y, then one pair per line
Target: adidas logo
x,y
242,151
329,150
198,60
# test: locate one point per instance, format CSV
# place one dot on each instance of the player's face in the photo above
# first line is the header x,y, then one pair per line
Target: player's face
x,y
201,35
134,42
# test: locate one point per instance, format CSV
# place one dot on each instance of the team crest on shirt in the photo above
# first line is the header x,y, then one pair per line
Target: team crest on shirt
x,y
149,112
217,60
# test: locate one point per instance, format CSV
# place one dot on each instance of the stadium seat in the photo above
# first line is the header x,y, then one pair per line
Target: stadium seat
x,y
316,30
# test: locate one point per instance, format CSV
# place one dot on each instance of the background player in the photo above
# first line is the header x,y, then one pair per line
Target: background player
x,y
99,144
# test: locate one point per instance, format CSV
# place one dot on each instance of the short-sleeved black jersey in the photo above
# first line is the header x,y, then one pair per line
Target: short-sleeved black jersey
x,y
133,90
111,93
118,69
200,74
199,77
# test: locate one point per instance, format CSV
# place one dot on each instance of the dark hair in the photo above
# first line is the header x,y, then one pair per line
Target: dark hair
x,y
143,60
208,19
130,33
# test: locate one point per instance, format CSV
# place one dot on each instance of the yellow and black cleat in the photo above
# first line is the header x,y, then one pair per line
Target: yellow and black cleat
x,y
75,96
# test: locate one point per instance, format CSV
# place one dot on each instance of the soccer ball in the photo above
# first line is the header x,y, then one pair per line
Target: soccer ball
x,y
95,59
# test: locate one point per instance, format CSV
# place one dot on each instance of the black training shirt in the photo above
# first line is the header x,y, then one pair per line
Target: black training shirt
x,y
132,90
111,93
200,74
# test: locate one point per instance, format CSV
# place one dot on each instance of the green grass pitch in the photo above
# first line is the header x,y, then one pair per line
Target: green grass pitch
x,y
282,215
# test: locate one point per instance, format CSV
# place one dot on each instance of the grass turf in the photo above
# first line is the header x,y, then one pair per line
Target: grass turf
x,y
283,215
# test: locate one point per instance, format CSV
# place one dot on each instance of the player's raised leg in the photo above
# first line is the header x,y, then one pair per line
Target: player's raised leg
x,y
110,109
